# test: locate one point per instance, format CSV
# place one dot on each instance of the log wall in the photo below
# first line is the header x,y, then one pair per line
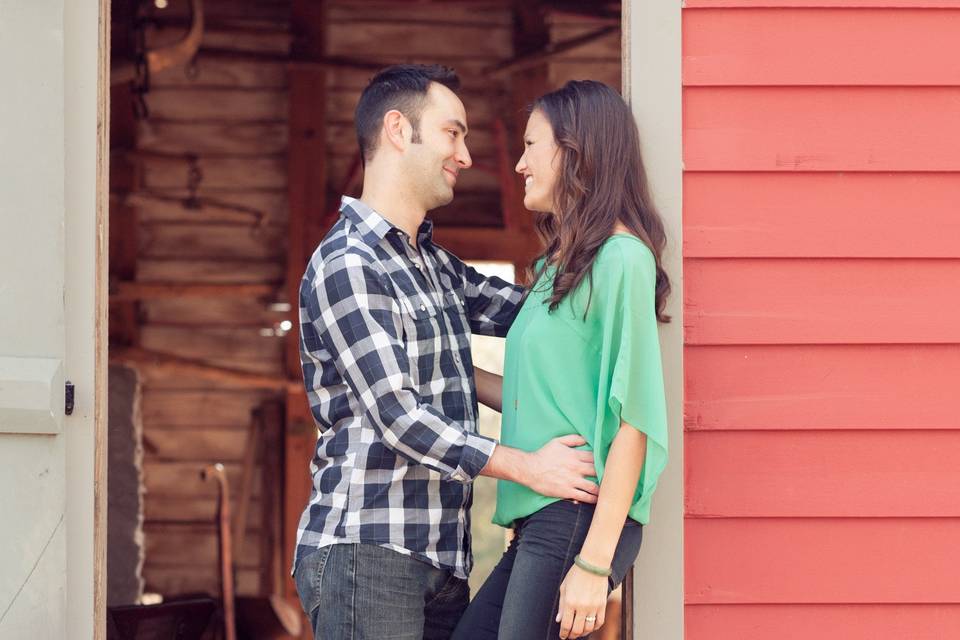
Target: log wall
x,y
229,112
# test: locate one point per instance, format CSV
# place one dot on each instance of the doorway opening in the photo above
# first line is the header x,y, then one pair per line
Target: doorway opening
x,y
231,141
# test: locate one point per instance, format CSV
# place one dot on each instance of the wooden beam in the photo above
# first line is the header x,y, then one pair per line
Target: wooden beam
x,y
125,291
471,243
307,189
551,50
159,362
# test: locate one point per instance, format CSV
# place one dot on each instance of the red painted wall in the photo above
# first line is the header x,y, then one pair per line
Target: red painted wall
x,y
822,319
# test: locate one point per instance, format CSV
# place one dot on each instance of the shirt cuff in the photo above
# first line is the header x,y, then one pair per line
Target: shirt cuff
x,y
476,454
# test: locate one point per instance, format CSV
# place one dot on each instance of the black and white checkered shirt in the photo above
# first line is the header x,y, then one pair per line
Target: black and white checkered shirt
x,y
385,348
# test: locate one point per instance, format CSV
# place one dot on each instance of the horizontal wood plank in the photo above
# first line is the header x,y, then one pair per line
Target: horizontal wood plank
x,y
183,479
221,172
209,270
212,312
231,138
171,240
414,39
217,104
195,545
820,215
198,444
174,580
357,15
822,473
752,301
853,47
250,207
242,343
190,510
821,387
821,129
605,71
846,560
822,621
218,71
209,408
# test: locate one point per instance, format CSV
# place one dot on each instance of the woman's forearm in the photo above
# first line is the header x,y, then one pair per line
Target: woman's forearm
x,y
489,388
619,484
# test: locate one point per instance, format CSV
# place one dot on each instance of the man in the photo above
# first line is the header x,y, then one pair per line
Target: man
x,y
383,547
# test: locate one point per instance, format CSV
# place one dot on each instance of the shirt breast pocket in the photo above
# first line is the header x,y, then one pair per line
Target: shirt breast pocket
x,y
421,327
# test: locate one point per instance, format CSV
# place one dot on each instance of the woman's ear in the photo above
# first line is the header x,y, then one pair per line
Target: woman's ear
x,y
394,129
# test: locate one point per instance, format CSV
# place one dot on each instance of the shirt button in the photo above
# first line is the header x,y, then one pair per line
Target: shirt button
x,y
423,307
459,477
456,357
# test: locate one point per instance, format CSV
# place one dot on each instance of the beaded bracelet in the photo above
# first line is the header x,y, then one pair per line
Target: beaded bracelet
x,y
591,568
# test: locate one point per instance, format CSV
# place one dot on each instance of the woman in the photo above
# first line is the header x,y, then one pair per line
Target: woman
x,y
582,358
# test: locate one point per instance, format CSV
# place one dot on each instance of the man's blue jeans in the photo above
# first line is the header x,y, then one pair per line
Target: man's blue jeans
x,y
366,592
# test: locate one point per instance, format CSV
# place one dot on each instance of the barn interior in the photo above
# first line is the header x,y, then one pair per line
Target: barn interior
x,y
231,140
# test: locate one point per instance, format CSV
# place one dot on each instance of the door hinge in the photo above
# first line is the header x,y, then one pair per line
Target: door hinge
x,y
68,398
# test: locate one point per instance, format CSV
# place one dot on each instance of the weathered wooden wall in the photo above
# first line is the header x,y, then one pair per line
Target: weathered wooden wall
x,y
231,114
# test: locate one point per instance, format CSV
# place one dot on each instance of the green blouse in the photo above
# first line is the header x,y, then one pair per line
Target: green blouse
x,y
569,374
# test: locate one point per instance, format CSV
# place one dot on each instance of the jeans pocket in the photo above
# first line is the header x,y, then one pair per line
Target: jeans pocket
x,y
308,577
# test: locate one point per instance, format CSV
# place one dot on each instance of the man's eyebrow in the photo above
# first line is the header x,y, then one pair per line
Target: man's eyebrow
x,y
458,124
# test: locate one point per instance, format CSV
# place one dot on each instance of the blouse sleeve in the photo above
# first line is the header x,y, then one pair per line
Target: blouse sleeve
x,y
632,353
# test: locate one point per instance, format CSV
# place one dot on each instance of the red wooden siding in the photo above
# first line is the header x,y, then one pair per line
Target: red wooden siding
x,y
817,560
821,387
822,318
808,473
734,47
841,215
802,622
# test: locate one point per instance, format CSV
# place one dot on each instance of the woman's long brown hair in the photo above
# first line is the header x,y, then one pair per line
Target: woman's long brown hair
x,y
601,180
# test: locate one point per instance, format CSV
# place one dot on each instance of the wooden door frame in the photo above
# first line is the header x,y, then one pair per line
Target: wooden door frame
x,y
652,84
101,327
651,60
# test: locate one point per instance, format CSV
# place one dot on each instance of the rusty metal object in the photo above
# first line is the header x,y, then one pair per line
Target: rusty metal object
x,y
174,55
216,472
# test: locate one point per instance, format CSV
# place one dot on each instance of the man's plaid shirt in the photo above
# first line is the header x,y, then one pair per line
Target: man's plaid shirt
x,y
385,348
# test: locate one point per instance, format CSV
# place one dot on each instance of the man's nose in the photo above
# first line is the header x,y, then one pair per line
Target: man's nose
x,y
463,157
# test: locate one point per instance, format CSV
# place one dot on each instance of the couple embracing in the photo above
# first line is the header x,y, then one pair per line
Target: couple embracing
x,y
383,546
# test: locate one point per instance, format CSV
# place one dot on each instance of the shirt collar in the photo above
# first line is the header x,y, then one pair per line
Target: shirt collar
x,y
372,226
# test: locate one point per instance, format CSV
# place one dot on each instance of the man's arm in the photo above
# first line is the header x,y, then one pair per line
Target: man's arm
x,y
556,469
492,303
354,316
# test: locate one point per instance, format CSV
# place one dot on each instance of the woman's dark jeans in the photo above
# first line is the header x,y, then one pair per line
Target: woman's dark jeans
x,y
519,600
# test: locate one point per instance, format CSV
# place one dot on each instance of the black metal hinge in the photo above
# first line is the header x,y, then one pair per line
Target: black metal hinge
x,y
68,398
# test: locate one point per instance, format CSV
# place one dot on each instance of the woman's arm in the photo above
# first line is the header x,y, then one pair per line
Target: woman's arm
x,y
582,593
489,388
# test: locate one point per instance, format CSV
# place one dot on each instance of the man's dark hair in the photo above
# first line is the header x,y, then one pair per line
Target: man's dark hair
x,y
402,87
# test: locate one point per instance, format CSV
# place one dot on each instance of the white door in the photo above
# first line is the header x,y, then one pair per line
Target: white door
x,y
44,157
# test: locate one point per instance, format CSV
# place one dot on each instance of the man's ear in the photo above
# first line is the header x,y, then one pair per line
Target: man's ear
x,y
395,126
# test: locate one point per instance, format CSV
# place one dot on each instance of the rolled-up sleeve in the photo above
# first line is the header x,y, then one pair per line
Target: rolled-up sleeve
x,y
355,315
